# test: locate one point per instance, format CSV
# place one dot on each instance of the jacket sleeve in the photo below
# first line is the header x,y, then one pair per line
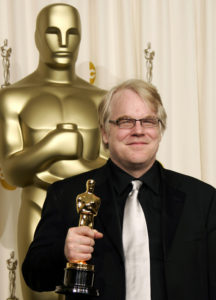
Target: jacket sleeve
x,y
212,247
43,267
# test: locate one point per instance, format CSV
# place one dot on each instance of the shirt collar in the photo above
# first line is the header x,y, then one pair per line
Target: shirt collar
x,y
121,180
152,178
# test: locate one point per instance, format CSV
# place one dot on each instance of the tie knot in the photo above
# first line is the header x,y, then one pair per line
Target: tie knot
x,y
136,184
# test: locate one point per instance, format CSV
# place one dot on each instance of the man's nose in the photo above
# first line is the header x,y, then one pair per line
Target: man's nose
x,y
138,128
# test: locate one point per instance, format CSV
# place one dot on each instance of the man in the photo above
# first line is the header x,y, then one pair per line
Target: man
x,y
48,120
180,212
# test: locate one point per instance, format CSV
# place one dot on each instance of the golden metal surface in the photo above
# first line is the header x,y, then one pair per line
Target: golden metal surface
x,y
92,73
80,266
4,183
88,205
48,121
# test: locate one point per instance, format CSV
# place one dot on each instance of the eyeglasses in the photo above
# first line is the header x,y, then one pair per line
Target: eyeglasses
x,y
128,123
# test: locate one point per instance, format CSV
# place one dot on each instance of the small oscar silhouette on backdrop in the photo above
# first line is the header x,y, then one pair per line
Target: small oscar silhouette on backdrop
x,y
12,265
6,53
79,276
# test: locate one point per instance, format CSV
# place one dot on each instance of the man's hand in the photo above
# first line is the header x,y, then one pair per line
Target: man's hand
x,y
79,243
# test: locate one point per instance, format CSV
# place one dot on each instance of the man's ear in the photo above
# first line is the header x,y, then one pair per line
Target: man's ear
x,y
104,136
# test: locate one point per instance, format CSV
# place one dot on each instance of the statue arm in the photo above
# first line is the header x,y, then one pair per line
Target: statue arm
x,y
21,163
80,203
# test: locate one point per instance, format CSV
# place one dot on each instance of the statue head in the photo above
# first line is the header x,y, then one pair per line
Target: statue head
x,y
90,184
58,34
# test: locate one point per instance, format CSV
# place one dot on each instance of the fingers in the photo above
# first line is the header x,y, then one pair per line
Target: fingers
x,y
79,243
97,234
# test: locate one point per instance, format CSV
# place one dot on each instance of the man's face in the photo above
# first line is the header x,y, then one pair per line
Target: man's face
x,y
58,35
135,148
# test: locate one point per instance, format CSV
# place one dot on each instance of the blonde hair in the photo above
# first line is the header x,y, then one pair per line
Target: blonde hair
x,y
145,90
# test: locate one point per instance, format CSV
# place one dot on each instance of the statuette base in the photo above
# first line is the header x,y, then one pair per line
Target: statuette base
x,y
78,279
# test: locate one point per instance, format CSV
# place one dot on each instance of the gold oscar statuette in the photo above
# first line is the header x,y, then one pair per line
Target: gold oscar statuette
x,y
79,276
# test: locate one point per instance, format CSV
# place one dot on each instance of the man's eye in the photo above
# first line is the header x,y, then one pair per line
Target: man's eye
x,y
150,121
153,121
125,121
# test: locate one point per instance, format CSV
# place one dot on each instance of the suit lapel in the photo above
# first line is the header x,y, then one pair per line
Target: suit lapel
x,y
108,218
172,206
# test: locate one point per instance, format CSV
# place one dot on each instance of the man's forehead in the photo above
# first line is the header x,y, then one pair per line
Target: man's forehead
x,y
61,16
122,95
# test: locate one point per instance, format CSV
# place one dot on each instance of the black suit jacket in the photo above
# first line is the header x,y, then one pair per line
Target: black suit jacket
x,y
188,228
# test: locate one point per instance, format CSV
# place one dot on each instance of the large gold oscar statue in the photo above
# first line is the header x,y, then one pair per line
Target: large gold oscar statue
x,y
48,121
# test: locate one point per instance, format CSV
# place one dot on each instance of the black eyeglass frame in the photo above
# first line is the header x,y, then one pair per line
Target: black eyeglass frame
x,y
133,122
